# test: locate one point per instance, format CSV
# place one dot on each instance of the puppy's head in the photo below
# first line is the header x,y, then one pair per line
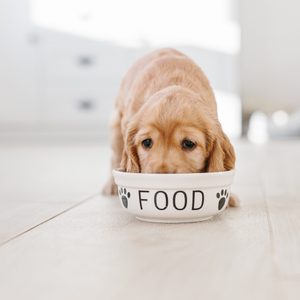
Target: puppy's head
x,y
174,133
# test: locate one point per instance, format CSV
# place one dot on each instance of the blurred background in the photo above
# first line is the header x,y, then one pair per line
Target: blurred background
x,y
61,62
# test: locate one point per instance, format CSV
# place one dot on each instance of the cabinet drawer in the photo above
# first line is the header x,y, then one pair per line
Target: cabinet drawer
x,y
82,64
76,105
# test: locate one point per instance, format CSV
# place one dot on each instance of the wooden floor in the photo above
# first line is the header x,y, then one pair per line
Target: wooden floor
x,y
59,239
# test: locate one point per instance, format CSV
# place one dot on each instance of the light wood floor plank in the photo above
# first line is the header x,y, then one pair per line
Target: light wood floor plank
x,y
38,182
98,251
281,185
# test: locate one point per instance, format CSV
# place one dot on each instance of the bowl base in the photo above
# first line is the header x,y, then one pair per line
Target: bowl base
x,y
174,221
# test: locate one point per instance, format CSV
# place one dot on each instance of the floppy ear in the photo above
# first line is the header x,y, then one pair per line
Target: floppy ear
x,y
221,154
130,159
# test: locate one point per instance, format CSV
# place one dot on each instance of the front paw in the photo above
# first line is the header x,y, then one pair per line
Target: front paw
x,y
234,201
110,188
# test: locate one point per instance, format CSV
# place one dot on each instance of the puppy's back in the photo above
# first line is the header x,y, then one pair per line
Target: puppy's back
x,y
161,69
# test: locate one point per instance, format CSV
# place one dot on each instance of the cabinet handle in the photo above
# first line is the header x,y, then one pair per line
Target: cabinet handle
x,y
85,60
86,104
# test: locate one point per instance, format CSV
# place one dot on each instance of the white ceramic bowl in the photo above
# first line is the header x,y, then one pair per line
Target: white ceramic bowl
x,y
174,198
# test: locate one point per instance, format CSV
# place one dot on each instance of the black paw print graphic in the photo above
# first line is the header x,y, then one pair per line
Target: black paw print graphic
x,y
124,196
222,197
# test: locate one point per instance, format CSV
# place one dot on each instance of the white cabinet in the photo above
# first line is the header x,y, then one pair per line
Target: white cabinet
x,y
77,85
18,80
48,77
51,79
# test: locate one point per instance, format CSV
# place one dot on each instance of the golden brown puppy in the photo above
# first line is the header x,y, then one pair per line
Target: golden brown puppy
x,y
165,120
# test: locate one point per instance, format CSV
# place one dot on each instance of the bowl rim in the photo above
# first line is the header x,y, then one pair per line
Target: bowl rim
x,y
174,180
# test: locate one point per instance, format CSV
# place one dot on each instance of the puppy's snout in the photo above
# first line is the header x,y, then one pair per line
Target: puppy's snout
x,y
164,168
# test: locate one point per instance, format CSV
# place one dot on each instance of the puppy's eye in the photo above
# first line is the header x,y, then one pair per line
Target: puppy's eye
x,y
147,143
187,144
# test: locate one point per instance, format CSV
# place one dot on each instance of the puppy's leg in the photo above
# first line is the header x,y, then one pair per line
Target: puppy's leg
x,y
117,145
233,200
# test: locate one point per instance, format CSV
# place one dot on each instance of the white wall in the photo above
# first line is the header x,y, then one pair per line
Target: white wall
x,y
270,54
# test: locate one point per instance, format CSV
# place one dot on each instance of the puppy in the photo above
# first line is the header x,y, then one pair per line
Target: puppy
x,y
165,120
